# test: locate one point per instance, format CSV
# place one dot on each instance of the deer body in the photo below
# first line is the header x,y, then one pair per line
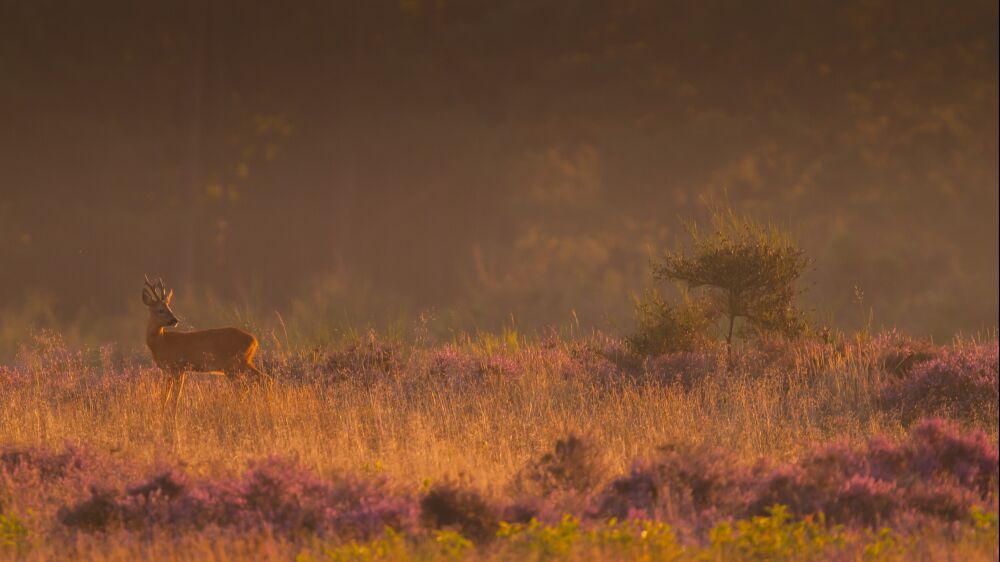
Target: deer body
x,y
227,351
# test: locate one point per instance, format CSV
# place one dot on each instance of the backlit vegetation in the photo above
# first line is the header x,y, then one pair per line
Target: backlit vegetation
x,y
508,448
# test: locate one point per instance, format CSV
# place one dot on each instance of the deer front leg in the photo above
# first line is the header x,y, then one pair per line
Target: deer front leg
x,y
173,387
181,377
167,389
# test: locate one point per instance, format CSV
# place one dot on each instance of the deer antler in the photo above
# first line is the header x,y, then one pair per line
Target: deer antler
x,y
149,287
163,290
156,291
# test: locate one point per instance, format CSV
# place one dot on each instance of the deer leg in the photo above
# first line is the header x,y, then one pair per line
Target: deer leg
x,y
181,377
237,377
166,390
259,377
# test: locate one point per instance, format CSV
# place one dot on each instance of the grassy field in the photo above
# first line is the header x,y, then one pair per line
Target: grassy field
x,y
493,447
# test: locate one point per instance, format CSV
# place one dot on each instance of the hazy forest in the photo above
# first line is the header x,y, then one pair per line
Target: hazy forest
x,y
356,163
526,280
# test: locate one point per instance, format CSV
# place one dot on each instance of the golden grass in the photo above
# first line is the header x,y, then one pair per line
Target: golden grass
x,y
414,427
414,424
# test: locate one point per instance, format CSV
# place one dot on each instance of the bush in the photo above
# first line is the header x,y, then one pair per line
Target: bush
x,y
664,327
13,533
960,383
573,466
939,474
900,354
686,368
451,506
274,495
748,270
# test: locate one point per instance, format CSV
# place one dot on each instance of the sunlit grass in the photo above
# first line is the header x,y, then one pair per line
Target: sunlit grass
x,y
478,409
413,427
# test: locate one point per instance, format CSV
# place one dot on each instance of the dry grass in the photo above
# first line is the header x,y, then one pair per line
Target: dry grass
x,y
413,421
413,427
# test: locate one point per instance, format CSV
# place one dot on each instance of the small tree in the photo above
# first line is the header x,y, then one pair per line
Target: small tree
x,y
663,326
747,269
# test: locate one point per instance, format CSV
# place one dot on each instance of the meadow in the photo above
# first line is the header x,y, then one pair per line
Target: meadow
x,y
500,446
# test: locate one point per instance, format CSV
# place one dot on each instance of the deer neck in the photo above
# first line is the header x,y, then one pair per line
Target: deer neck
x,y
154,333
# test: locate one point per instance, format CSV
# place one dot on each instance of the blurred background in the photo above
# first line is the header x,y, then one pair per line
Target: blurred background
x,y
325,164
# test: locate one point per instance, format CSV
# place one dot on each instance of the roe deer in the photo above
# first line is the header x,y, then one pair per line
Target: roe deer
x,y
226,351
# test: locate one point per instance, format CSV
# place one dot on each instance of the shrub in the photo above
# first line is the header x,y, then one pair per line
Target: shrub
x,y
573,466
749,271
13,533
273,495
664,327
370,356
602,360
960,383
684,484
940,473
100,512
900,354
448,505
686,368
775,536
41,466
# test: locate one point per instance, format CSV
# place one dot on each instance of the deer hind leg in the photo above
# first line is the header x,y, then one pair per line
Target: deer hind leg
x,y
248,369
238,379
260,377
248,374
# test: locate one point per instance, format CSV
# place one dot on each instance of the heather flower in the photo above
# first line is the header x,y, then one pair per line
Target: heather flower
x,y
696,486
686,368
450,363
940,473
939,448
370,357
865,500
899,354
42,466
499,365
274,495
960,383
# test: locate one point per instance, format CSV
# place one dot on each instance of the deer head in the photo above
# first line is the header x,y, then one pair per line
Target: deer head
x,y
157,299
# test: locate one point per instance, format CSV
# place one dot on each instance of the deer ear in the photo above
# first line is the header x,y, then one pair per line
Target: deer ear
x,y
169,296
146,298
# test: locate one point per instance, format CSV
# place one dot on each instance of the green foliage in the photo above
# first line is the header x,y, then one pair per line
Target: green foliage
x,y
776,537
884,545
985,522
748,270
663,327
390,546
13,533
542,540
773,537
985,528
638,540
451,544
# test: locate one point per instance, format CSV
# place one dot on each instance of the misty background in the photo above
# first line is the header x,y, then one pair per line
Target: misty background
x,y
486,163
